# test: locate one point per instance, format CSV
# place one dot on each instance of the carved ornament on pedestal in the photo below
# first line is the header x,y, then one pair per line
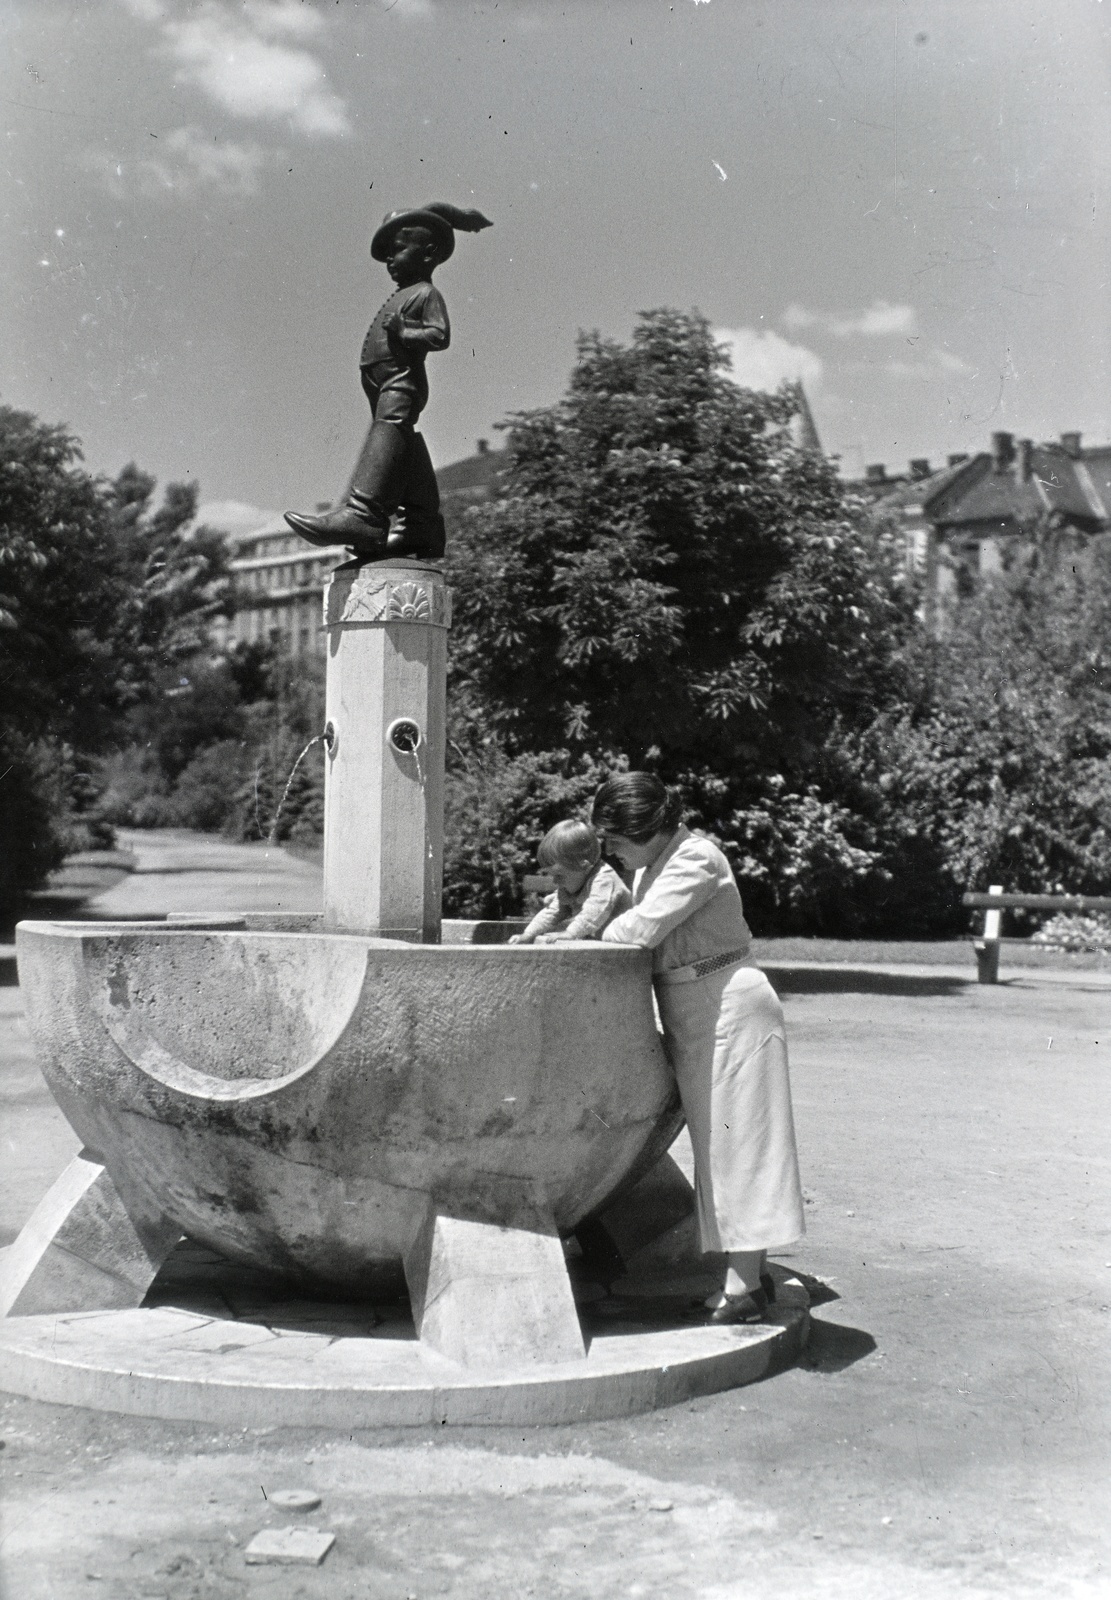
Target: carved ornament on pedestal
x,y
370,596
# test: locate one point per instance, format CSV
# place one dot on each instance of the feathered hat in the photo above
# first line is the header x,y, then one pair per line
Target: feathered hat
x,y
438,217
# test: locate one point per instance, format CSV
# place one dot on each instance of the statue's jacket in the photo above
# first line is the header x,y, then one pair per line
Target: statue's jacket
x,y
393,371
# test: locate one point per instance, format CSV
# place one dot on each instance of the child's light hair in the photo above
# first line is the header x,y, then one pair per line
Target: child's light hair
x,y
569,844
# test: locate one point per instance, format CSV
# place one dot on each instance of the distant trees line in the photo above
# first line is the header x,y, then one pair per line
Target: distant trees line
x,y
663,580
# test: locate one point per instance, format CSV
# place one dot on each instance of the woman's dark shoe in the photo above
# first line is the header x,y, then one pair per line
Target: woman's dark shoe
x,y
750,1307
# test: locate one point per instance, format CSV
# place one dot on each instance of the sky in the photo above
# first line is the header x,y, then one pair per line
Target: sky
x,y
906,203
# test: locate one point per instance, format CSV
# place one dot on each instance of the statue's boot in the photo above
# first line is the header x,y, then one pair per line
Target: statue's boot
x,y
354,524
417,535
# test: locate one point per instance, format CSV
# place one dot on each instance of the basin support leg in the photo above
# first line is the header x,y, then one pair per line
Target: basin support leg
x,y
492,1296
82,1249
652,1225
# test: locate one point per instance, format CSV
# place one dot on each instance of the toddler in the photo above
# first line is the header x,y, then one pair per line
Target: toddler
x,y
588,894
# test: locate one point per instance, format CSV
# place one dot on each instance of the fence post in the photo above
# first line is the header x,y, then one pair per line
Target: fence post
x,y
987,948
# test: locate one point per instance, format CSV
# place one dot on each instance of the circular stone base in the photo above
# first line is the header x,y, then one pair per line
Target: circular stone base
x,y
295,1363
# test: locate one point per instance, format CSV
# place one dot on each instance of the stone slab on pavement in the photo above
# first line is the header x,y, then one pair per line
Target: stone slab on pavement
x,y
288,1547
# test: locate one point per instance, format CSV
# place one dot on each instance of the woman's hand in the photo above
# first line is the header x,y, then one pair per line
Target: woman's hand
x,y
552,938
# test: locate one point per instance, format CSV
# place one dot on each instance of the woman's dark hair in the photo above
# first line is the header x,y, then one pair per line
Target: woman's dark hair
x,y
637,806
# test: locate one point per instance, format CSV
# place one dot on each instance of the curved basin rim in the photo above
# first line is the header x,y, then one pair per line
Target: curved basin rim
x,y
181,1078
186,1080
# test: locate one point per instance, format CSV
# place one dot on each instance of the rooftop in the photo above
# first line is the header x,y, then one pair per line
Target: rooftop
x,y
1016,481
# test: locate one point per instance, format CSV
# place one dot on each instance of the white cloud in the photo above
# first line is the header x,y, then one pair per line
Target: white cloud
x,y
929,365
292,17
181,162
237,56
948,362
881,319
236,518
762,359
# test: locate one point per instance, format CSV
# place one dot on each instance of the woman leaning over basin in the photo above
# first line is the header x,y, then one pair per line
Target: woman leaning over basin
x,y
723,1031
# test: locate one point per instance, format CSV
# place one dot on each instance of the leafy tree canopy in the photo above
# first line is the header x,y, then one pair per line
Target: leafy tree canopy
x,y
103,595
667,580
59,582
995,767
666,574
100,589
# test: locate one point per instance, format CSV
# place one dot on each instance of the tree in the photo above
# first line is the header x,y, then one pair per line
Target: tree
x,y
175,579
60,588
667,579
101,595
996,765
59,595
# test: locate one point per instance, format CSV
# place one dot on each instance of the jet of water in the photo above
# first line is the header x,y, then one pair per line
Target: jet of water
x,y
321,738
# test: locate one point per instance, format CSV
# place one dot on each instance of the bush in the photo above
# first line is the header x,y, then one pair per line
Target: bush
x,y
800,862
997,768
497,809
1069,931
32,808
132,787
47,811
205,795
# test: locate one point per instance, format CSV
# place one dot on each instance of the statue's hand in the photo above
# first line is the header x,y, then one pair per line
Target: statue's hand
x,y
396,328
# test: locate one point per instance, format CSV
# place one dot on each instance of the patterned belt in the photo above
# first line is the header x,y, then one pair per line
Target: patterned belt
x,y
700,969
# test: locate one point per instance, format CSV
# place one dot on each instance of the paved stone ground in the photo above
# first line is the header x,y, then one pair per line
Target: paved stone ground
x,y
946,1435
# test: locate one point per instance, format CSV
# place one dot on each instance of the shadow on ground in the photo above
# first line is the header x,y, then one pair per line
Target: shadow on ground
x,y
858,980
832,1347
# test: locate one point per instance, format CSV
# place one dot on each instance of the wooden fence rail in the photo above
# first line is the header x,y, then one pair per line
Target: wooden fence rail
x,y
1038,902
995,902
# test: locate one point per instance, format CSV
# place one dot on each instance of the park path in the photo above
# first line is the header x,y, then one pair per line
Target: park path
x,y
176,870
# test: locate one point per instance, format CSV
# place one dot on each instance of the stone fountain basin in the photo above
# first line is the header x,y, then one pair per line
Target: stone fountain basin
x,y
297,1100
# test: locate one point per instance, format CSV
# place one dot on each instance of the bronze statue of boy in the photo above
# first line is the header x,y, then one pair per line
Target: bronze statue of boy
x,y
394,476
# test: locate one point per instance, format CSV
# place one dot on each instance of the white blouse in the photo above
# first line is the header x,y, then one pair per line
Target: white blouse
x,y
686,907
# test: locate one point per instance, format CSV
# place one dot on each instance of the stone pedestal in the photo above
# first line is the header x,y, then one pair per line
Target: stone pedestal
x,y
384,788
